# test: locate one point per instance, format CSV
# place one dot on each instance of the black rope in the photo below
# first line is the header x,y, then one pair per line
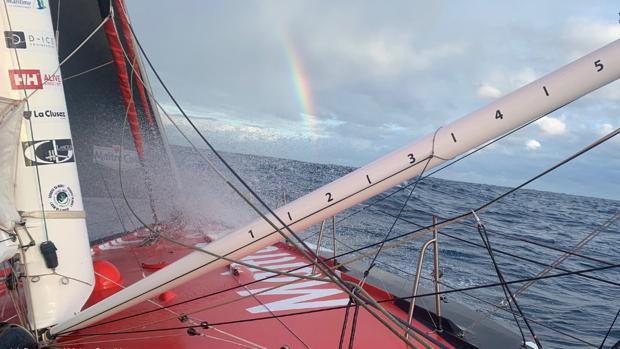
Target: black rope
x,y
455,218
392,299
345,321
510,298
609,330
402,208
443,233
354,325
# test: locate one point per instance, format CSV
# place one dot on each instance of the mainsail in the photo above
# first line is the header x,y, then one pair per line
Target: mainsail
x,y
10,125
53,232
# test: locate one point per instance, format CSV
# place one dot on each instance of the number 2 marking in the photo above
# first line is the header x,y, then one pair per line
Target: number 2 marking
x,y
599,66
329,197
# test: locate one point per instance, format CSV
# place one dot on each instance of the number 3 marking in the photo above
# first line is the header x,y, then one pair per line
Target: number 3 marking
x,y
411,158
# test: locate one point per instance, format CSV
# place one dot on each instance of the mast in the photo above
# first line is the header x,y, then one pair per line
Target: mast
x,y
55,259
522,106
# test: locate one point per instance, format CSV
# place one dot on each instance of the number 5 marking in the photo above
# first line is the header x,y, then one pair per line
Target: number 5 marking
x,y
599,66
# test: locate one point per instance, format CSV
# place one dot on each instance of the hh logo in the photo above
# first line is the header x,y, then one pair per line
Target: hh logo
x,y
25,79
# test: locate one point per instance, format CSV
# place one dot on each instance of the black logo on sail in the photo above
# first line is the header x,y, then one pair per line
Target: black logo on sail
x,y
15,39
48,152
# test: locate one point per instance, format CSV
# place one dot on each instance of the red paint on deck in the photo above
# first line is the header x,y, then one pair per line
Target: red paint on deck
x,y
313,329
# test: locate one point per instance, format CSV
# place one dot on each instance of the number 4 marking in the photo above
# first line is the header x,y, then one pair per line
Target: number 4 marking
x,y
498,114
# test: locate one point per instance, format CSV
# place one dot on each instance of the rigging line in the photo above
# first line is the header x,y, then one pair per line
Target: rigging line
x,y
354,325
121,182
345,322
507,293
88,70
495,306
402,208
176,315
58,28
278,319
509,253
609,330
118,215
462,157
461,216
306,251
71,54
392,299
26,99
341,264
560,260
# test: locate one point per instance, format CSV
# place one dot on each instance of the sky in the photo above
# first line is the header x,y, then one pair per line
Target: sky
x,y
346,82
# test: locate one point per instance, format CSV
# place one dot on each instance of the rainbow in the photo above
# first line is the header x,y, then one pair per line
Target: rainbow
x,y
302,88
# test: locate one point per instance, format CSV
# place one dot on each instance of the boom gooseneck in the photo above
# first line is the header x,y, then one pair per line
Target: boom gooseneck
x,y
505,114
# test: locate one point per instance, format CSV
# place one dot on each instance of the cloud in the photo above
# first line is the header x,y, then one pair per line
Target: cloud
x,y
551,126
585,34
532,144
488,91
606,128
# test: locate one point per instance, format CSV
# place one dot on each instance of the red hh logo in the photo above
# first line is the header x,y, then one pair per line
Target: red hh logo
x,y
25,79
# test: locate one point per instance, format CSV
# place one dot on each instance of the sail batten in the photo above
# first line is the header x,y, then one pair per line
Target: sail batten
x,y
503,115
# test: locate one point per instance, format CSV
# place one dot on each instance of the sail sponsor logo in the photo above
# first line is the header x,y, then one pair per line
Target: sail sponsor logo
x,y
46,114
110,157
33,4
23,40
25,79
61,197
52,79
48,152
15,39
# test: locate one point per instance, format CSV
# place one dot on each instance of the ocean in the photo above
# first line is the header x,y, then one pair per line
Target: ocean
x,y
520,225
576,305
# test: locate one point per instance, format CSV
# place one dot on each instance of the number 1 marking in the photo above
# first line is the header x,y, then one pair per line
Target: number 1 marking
x,y
251,233
368,179
453,137
546,92
289,216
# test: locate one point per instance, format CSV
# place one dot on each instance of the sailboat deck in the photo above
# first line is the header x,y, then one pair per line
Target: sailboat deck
x,y
309,313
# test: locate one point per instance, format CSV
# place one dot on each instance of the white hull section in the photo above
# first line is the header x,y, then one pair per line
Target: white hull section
x,y
520,107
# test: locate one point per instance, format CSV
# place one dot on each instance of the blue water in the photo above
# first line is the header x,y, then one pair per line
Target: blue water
x,y
573,304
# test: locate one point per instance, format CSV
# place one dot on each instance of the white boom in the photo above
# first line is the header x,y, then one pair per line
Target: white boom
x,y
507,113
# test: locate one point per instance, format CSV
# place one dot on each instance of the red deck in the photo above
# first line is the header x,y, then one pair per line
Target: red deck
x,y
315,329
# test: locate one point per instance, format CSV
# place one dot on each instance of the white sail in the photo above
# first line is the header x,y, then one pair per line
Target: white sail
x,y
520,107
10,126
47,190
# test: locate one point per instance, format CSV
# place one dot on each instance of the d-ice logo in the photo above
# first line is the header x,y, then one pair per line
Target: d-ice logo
x,y
15,39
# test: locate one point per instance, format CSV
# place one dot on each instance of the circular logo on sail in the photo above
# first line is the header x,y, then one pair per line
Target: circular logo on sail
x,y
61,197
